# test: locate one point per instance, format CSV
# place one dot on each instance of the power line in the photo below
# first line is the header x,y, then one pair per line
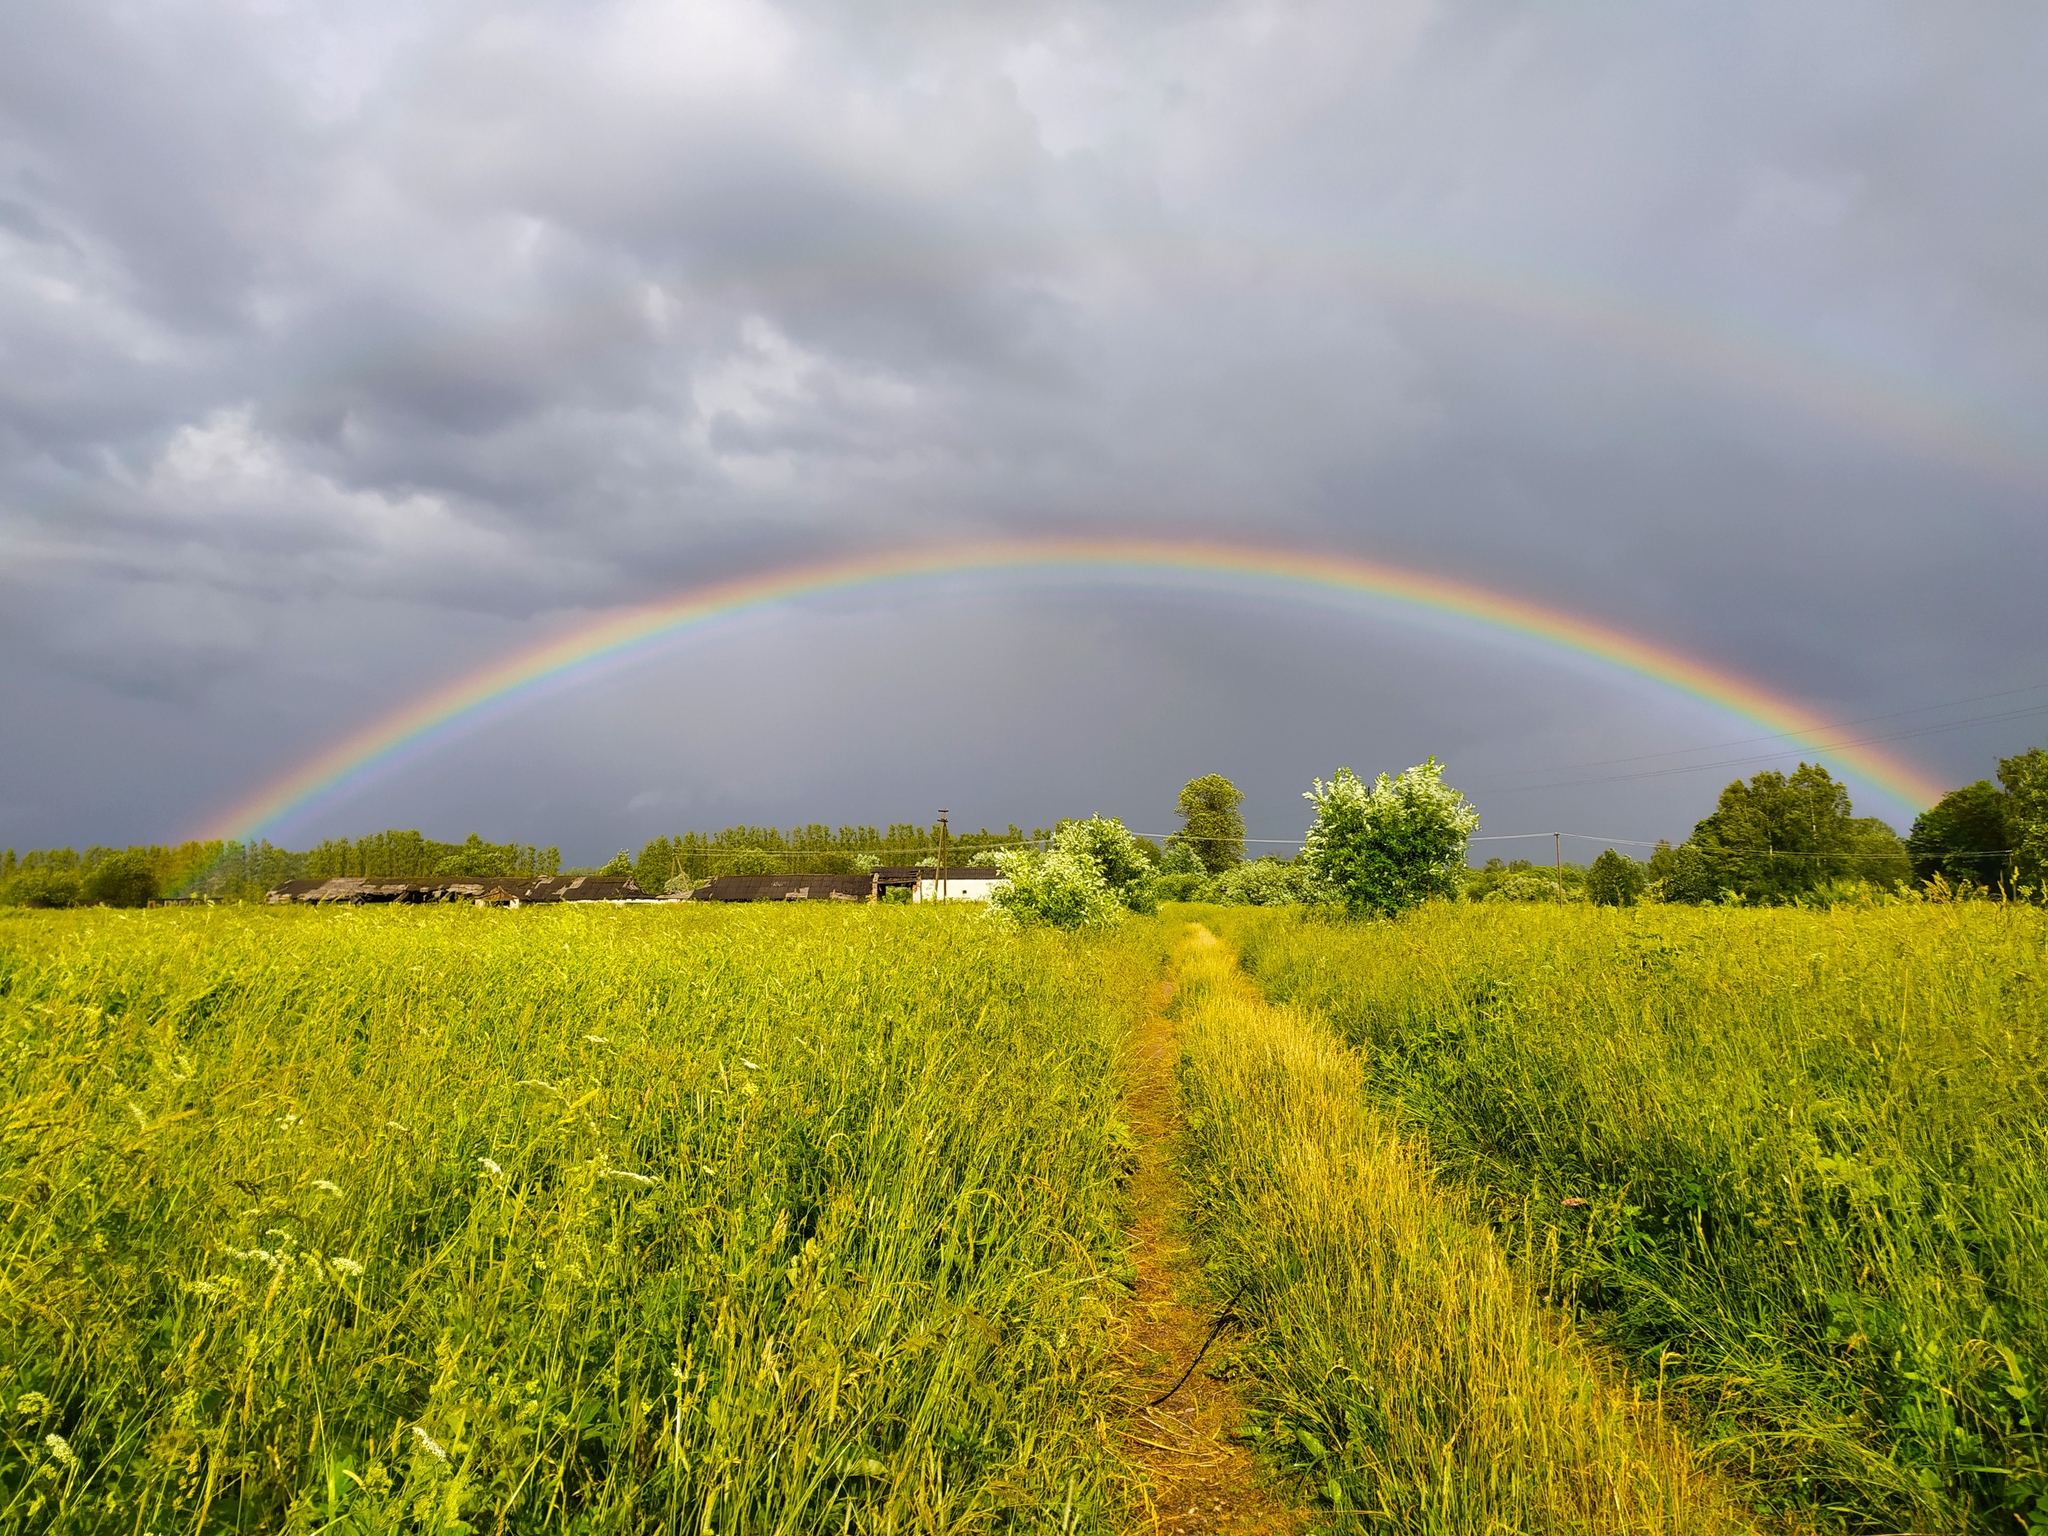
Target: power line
x,y
1839,725
1766,757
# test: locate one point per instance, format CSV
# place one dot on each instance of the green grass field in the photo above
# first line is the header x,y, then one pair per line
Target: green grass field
x,y
431,1219
1789,1164
795,1219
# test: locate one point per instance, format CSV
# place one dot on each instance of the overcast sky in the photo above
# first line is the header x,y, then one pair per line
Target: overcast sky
x,y
349,347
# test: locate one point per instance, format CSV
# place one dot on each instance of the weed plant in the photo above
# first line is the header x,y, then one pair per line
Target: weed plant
x,y
567,1220
1399,1365
1792,1162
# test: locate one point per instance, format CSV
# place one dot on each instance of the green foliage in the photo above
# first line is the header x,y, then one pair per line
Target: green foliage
x,y
61,877
1393,1366
1266,882
409,856
1090,876
1384,848
1787,1162
125,880
668,1219
1180,859
1964,838
1212,826
42,888
1779,838
2025,778
814,849
620,863
1615,880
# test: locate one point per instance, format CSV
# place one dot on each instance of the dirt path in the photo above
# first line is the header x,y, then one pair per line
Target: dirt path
x,y
1203,1479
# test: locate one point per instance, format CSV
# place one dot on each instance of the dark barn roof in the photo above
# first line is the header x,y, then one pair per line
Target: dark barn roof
x,y
786,888
910,874
494,889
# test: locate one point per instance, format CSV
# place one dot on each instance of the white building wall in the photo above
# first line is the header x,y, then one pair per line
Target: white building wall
x,y
956,889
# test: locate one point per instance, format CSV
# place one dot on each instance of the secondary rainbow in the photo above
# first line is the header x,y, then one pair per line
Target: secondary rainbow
x,y
445,712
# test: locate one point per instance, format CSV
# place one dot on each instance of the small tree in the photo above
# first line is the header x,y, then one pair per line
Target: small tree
x,y
2025,778
1093,873
1615,880
125,880
1385,847
1212,826
621,864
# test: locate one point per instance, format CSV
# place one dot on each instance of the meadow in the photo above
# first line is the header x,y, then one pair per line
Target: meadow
x,y
1787,1166
813,1218
416,1219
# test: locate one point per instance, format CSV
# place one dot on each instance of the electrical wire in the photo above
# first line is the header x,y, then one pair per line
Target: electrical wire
x,y
1839,725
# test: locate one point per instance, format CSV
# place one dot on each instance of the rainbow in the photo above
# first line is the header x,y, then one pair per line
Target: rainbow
x,y
436,717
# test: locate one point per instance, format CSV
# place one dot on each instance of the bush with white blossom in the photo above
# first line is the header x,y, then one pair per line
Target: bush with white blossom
x,y
1383,847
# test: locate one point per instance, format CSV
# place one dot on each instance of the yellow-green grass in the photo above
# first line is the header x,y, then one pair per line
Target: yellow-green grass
x,y
1396,1361
576,1219
1791,1163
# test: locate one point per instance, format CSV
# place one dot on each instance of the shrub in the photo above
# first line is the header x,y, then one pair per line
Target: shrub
x,y
1383,848
1265,883
41,888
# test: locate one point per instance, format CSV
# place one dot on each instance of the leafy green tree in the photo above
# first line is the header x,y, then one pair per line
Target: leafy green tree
x,y
1211,823
1964,838
1180,859
620,863
37,887
1615,880
1093,872
125,880
1781,837
1056,887
1393,844
2025,778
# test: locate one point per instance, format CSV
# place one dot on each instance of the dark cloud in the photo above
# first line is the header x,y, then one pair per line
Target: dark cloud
x,y
350,349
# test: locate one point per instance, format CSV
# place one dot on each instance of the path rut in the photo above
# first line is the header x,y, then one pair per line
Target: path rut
x,y
1202,1478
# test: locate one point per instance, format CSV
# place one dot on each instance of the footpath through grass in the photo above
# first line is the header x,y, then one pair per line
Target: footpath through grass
x,y
1402,1369
439,1220
1791,1162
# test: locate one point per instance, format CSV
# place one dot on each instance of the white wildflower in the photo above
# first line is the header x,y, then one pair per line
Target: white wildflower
x,y
751,1066
199,1288
261,1255
60,1451
597,1039
492,1168
347,1268
427,1444
288,1122
327,1184
32,1404
637,1178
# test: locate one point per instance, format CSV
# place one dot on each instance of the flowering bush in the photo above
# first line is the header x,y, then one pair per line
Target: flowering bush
x,y
1385,847
1265,883
1093,873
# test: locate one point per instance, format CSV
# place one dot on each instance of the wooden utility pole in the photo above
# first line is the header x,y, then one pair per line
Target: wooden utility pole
x,y
942,853
1558,838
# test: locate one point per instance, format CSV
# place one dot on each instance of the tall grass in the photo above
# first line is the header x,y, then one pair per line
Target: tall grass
x,y
619,1220
1398,1362
1792,1162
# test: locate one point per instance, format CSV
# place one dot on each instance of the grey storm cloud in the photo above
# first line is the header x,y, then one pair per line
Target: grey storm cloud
x,y
351,347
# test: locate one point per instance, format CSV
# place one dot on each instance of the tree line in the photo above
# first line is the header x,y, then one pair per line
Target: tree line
x,y
1774,838
237,871
691,858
